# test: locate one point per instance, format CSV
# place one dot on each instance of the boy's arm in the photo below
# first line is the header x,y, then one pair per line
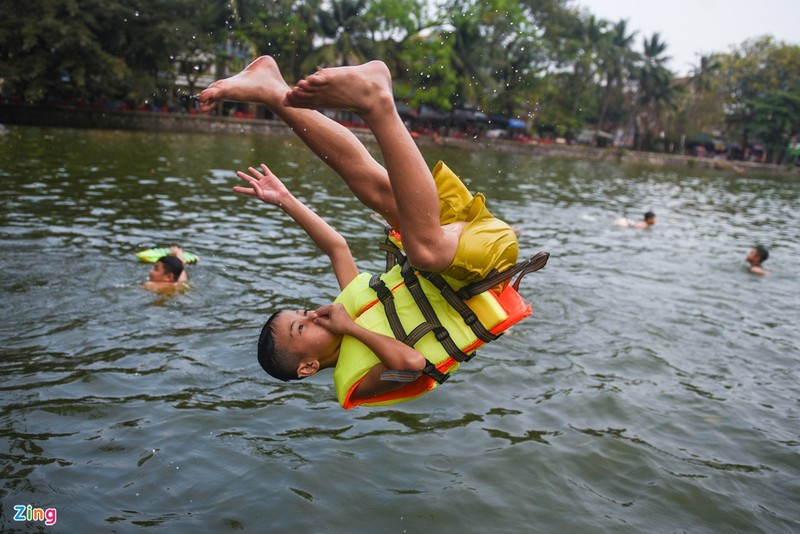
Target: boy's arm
x,y
393,354
268,188
178,253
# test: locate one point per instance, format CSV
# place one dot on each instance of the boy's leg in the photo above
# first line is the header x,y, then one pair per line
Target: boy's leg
x,y
367,90
262,82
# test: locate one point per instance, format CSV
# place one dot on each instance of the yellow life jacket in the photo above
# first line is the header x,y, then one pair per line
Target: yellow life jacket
x,y
496,311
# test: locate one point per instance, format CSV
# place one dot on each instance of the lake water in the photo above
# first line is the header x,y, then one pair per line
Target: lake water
x,y
654,390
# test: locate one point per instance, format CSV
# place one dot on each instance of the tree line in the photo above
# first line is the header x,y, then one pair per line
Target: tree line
x,y
547,62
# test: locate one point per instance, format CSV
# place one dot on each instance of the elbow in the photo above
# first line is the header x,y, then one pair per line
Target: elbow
x,y
340,252
415,362
337,249
406,359
339,245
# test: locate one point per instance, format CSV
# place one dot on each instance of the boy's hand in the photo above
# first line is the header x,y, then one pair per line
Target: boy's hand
x,y
177,251
263,185
334,318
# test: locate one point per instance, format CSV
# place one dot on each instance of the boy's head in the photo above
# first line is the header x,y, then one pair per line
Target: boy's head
x,y
757,255
166,270
293,346
650,218
274,359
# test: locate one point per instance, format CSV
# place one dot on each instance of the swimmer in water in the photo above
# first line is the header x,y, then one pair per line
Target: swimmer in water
x,y
168,272
648,221
755,258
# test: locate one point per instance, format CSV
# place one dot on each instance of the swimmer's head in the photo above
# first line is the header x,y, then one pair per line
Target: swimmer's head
x,y
166,270
650,218
757,255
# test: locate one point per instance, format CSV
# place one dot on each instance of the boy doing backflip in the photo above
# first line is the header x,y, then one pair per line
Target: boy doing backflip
x,y
444,228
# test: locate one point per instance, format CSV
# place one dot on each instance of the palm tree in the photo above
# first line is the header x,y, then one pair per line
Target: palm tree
x,y
470,56
345,33
590,34
224,18
655,89
701,78
617,60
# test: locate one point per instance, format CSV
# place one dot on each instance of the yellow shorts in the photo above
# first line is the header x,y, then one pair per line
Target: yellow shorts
x,y
486,244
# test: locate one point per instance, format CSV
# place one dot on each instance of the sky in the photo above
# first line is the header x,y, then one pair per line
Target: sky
x,y
694,27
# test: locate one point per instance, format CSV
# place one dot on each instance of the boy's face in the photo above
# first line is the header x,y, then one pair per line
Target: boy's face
x,y
160,275
753,257
296,332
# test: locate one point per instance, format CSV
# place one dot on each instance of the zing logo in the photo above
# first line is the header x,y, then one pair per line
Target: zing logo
x,y
29,513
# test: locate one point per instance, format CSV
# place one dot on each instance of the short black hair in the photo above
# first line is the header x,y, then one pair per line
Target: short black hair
x,y
172,264
649,215
276,361
763,253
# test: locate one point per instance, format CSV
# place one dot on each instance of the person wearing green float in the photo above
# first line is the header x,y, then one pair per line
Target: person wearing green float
x,y
168,273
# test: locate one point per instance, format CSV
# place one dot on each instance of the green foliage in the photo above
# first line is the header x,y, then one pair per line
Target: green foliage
x,y
776,119
655,92
424,74
540,60
759,79
62,50
283,29
49,48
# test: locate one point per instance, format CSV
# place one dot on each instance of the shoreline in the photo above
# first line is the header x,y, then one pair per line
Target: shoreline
x,y
67,117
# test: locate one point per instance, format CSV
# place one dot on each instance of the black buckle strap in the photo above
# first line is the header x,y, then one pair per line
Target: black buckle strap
x,y
424,305
418,333
391,375
456,299
534,263
466,313
387,298
393,254
436,374
379,286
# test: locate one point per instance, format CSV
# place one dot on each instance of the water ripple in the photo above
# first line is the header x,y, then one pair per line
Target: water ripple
x,y
655,387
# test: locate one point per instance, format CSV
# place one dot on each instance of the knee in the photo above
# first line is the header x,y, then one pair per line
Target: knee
x,y
426,257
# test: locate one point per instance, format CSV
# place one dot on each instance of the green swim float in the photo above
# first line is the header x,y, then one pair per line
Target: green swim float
x,y
152,255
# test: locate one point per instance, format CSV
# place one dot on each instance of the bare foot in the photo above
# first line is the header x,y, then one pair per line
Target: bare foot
x,y
364,89
261,81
